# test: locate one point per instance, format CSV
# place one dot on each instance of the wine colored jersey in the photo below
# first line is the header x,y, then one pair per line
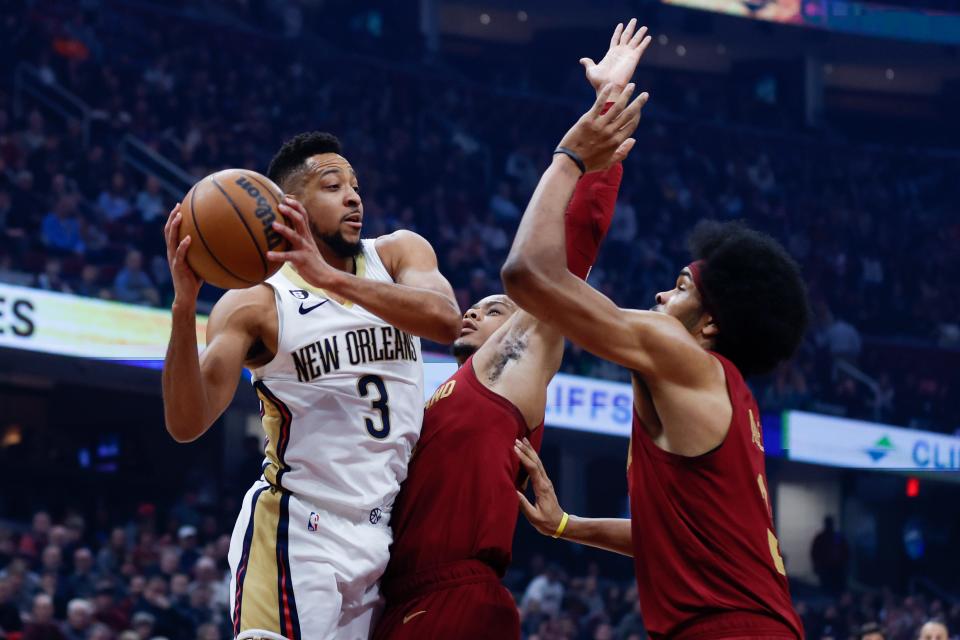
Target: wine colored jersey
x,y
703,538
459,501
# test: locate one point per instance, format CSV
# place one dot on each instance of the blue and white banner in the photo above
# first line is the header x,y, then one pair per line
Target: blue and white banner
x,y
840,442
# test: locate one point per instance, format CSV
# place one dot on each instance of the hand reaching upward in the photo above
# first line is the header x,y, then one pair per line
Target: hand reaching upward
x,y
617,66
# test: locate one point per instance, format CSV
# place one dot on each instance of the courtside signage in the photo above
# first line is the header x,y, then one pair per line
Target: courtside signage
x,y
69,325
841,442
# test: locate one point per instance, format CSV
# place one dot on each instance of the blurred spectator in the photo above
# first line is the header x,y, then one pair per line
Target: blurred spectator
x,y
9,611
843,340
132,283
830,555
89,284
42,625
82,583
546,590
150,202
114,203
61,228
79,619
52,278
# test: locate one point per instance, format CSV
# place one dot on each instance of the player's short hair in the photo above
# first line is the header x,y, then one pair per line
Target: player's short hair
x,y
754,291
288,163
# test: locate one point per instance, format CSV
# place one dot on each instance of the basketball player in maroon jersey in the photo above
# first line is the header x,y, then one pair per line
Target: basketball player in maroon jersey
x,y
457,510
707,559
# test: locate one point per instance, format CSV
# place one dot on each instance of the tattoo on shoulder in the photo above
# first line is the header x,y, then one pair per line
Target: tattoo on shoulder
x,y
512,347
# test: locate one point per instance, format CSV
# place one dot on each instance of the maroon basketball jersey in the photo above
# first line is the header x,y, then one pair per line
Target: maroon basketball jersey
x,y
703,537
459,501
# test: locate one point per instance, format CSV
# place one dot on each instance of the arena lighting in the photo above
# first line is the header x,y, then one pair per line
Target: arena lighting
x,y
913,487
681,50
484,18
890,74
828,69
663,39
522,16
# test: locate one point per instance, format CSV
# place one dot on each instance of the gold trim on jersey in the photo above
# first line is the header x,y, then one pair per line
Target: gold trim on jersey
x,y
360,263
272,422
261,600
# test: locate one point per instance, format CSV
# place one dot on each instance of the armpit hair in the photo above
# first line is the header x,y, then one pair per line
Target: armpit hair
x,y
513,345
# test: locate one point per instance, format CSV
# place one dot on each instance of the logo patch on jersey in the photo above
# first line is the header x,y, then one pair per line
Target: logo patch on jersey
x,y
375,515
299,294
305,310
313,522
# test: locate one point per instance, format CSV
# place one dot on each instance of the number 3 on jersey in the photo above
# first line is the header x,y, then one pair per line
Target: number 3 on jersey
x,y
380,404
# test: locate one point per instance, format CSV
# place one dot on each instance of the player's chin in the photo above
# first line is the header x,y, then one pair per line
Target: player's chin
x,y
351,231
465,345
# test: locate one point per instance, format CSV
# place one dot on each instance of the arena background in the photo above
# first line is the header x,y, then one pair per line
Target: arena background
x,y
835,132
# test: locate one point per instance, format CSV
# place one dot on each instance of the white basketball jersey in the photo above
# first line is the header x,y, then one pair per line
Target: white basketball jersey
x,y
342,400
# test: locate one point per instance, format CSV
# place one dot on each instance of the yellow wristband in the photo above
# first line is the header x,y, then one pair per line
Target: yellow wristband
x,y
562,526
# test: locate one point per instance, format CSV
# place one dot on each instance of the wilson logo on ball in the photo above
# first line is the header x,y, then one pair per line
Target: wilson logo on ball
x,y
264,212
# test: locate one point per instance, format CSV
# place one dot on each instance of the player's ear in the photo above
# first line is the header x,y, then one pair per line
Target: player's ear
x,y
709,329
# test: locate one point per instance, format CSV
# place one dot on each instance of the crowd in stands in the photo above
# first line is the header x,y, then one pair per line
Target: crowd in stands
x,y
165,576
456,161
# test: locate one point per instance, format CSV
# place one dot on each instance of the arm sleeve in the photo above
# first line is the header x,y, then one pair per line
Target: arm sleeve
x,y
588,217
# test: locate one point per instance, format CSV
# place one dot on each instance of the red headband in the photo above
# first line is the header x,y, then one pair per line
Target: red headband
x,y
696,270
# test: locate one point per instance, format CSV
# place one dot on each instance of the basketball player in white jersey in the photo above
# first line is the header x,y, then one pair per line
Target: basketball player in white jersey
x,y
331,343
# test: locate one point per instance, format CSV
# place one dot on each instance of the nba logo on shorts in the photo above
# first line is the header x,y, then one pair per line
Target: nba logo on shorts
x,y
314,522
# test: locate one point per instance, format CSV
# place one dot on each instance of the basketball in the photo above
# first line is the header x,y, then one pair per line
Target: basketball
x,y
229,216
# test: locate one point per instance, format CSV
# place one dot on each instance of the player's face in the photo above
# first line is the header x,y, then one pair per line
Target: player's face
x,y
331,195
481,321
683,303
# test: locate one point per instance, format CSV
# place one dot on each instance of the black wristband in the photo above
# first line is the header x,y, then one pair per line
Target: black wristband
x,y
573,156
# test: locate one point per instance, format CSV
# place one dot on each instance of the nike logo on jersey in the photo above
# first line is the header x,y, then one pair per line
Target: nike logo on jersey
x,y
305,310
408,618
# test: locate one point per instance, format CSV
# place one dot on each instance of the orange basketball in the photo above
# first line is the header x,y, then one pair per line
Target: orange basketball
x,y
229,216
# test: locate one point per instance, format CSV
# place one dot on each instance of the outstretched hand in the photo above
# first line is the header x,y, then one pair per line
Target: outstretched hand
x,y
546,514
626,48
303,253
601,138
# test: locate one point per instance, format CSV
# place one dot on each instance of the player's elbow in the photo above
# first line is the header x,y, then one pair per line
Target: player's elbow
x,y
522,281
183,431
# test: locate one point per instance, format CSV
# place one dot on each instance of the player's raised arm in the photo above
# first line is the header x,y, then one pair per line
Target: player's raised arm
x,y
420,301
546,516
197,388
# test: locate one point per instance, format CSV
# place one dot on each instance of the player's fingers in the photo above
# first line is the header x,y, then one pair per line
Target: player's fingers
x,y
294,219
283,256
296,205
618,107
638,37
623,150
630,116
628,32
602,99
615,40
644,44
587,63
182,249
525,505
528,462
173,213
288,233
